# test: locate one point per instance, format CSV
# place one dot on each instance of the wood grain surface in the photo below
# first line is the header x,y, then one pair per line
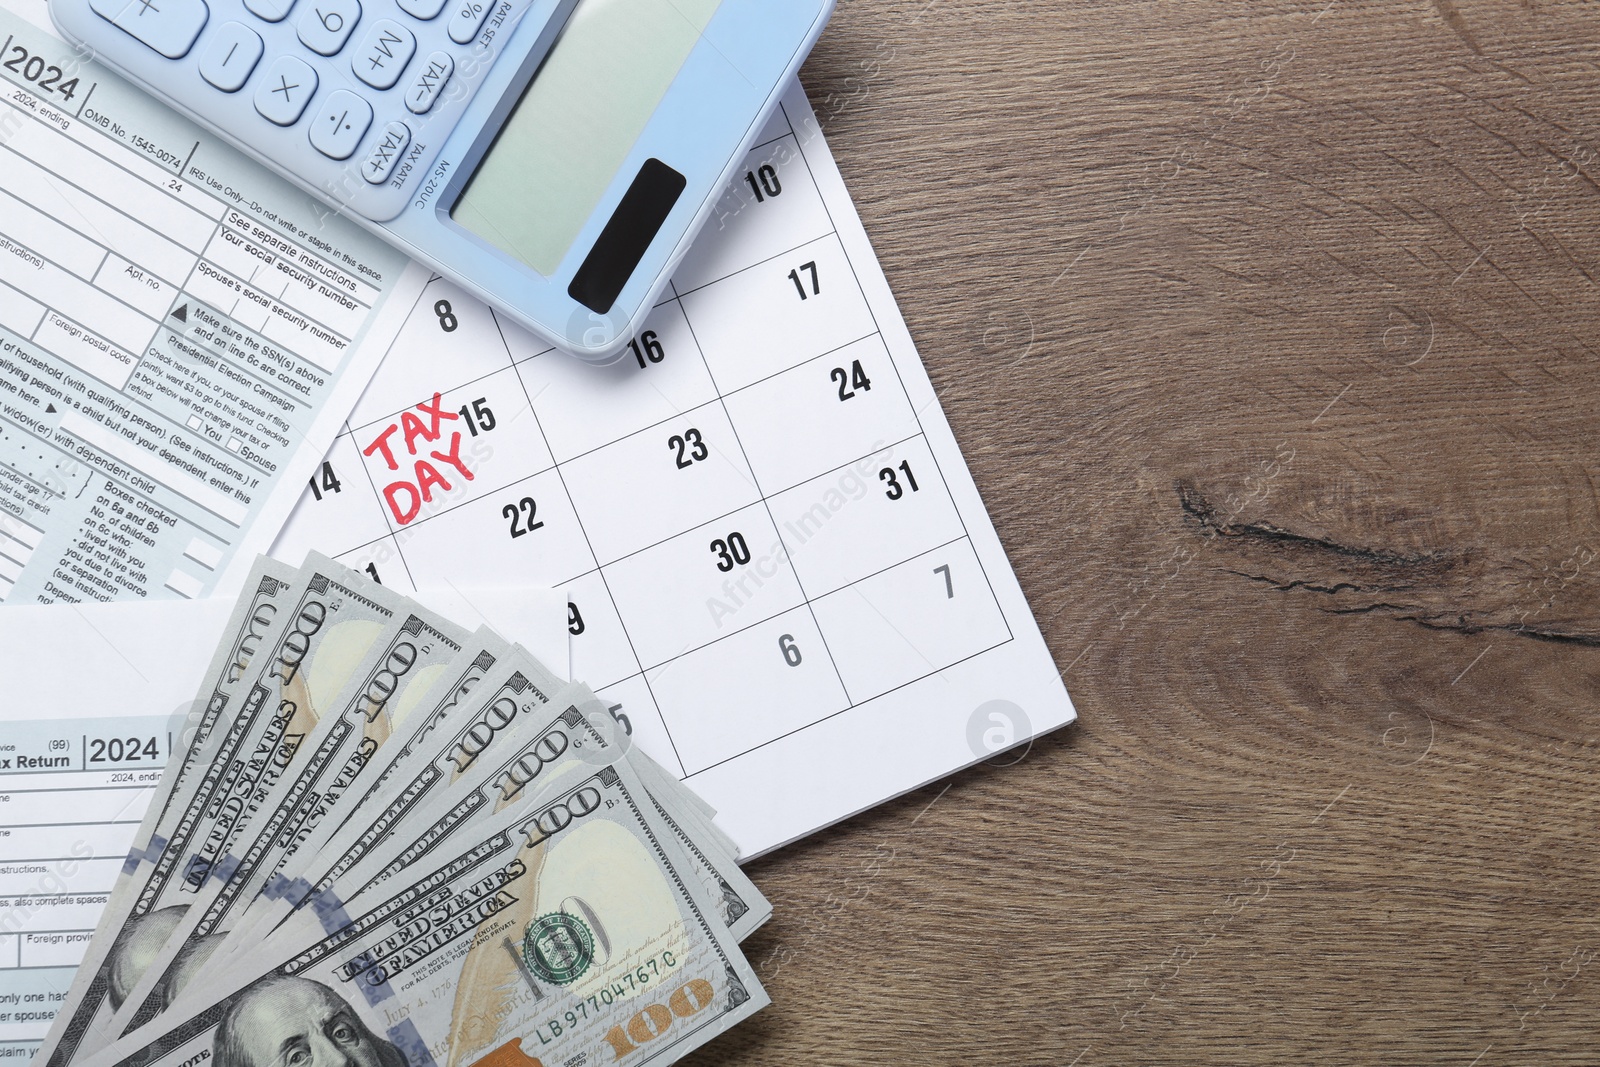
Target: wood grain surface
x,y
1269,332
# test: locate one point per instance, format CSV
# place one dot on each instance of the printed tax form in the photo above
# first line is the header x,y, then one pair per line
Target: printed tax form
x,y
181,334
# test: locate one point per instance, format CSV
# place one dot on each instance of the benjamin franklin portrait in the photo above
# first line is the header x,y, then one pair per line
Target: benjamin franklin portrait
x,y
295,1022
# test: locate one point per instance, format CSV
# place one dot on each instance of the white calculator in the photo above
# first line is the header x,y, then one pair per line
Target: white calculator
x,y
554,157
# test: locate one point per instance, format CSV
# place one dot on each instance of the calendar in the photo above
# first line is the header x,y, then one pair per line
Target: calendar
x,y
776,562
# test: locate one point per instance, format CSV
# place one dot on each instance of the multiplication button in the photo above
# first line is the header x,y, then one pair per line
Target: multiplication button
x,y
285,90
911,620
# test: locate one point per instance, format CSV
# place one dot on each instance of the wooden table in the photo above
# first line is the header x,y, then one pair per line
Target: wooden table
x,y
1269,330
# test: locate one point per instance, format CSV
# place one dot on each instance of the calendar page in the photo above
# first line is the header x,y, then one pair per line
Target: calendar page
x,y
777,564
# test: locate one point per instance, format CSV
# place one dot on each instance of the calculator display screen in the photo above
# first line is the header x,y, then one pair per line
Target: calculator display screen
x,y
564,142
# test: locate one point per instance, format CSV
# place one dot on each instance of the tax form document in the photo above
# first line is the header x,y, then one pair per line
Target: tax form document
x,y
76,776
181,335
780,573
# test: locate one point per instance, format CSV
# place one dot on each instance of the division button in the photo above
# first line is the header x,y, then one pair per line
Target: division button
x,y
429,82
327,24
270,10
285,90
386,153
230,57
384,53
422,9
168,26
341,122
465,18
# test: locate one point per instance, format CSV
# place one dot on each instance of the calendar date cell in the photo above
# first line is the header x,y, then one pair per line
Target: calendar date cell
x,y
867,516
453,447
708,698
448,338
601,653
634,709
582,407
525,532
778,314
380,560
911,620
704,584
337,507
822,415
769,207
670,477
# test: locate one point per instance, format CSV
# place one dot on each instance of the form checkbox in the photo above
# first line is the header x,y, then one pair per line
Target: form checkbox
x,y
233,444
193,422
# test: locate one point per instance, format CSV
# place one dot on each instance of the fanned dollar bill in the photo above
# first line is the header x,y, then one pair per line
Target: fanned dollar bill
x,y
415,716
330,761
113,961
561,932
572,730
423,832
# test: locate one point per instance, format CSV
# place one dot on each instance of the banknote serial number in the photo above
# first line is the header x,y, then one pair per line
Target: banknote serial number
x,y
651,970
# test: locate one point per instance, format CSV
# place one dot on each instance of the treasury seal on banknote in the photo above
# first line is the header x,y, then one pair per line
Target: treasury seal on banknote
x,y
558,947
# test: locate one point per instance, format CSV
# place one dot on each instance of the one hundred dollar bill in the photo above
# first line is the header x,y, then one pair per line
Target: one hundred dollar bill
x,y
518,688
573,730
331,760
108,969
560,932
323,629
416,714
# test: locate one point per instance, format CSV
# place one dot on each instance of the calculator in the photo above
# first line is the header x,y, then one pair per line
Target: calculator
x,y
553,157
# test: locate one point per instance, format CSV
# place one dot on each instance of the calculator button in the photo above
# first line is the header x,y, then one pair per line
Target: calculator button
x,y
422,9
270,10
230,57
429,82
384,53
465,19
386,153
168,26
285,90
326,25
341,122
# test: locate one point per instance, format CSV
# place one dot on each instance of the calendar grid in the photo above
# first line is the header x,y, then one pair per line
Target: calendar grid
x,y
841,711
632,650
917,414
766,502
627,534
